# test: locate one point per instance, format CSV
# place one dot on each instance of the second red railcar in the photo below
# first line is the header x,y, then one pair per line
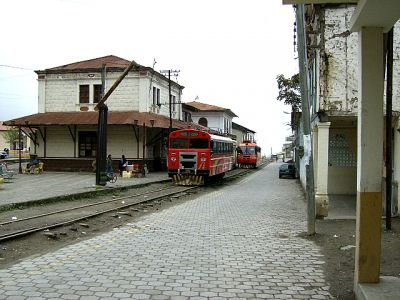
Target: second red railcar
x,y
248,155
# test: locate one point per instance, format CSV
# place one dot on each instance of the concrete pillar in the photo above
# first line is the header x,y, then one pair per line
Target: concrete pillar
x,y
321,195
314,132
370,155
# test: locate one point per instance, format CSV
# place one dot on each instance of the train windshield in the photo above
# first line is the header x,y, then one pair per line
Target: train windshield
x,y
189,143
247,150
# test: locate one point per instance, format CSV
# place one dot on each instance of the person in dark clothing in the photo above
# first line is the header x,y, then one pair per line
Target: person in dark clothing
x,y
109,168
122,164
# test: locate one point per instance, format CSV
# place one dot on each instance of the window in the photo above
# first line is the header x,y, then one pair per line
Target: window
x,y
187,116
247,150
84,93
173,99
199,143
97,93
154,95
189,143
203,122
87,143
158,97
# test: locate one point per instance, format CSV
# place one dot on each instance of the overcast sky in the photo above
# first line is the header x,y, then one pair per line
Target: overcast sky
x,y
229,52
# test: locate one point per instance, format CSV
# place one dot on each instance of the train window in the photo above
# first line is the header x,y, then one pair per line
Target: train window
x,y
179,143
198,143
248,150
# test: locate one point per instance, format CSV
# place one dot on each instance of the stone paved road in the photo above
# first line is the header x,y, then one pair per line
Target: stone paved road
x,y
236,243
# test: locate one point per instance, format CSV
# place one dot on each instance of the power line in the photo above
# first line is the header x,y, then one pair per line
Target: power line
x,y
15,67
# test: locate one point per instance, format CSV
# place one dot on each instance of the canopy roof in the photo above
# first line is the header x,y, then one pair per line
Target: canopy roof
x,y
91,118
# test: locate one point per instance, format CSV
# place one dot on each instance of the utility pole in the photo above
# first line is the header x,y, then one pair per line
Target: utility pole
x,y
175,73
389,130
101,151
305,108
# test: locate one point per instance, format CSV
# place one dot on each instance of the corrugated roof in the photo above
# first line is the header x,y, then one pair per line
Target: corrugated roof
x,y
198,106
91,118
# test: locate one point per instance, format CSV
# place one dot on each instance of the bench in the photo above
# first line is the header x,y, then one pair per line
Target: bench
x,y
5,173
37,170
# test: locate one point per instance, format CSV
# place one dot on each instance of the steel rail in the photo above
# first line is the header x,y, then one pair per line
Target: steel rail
x,y
23,232
83,206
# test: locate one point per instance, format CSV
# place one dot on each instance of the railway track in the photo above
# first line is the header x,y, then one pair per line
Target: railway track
x,y
120,205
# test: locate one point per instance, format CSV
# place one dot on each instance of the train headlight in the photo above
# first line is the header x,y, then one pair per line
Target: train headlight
x,y
203,157
173,158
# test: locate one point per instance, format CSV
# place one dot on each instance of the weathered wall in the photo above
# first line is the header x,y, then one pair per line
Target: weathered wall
x,y
338,77
338,81
396,67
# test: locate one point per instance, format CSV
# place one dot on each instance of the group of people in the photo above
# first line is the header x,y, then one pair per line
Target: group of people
x,y
33,164
122,164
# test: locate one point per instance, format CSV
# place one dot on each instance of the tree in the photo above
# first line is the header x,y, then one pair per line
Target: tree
x,y
11,135
289,91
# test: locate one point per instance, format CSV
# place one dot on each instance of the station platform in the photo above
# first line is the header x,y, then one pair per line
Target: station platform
x,y
25,188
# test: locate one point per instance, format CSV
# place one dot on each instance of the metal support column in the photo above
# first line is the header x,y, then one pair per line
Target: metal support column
x,y
101,155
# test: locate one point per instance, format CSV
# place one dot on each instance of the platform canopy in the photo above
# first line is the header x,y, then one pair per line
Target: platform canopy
x,y
91,118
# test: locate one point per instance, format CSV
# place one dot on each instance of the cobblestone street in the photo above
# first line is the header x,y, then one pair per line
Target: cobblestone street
x,y
237,242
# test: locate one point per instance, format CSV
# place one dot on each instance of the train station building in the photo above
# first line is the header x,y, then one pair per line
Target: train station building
x,y
64,131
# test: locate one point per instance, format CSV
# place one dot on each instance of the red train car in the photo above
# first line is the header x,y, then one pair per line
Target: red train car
x,y
194,156
248,155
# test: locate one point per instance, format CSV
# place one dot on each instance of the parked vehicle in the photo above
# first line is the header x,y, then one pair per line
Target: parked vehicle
x,y
194,156
287,170
248,155
3,154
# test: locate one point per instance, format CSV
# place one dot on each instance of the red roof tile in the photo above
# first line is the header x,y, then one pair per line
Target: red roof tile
x,y
198,106
91,118
96,63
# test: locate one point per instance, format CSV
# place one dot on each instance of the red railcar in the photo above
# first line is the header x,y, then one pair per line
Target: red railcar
x,y
194,156
248,155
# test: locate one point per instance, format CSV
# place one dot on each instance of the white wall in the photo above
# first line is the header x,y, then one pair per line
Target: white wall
x,y
215,119
60,92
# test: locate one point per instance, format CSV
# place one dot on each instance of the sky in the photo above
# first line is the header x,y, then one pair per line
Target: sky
x,y
229,52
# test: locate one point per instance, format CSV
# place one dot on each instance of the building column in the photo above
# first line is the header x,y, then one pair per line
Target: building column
x,y
370,155
321,193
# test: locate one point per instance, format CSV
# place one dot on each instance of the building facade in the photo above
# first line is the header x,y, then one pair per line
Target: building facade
x,y
214,117
333,68
242,133
138,113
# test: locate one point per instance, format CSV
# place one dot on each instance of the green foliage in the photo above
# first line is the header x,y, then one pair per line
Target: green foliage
x,y
289,91
11,135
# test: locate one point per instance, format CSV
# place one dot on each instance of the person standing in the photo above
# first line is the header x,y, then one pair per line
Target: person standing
x,y
122,164
109,168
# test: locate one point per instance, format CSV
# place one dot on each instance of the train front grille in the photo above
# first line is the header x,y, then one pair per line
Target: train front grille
x,y
188,160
